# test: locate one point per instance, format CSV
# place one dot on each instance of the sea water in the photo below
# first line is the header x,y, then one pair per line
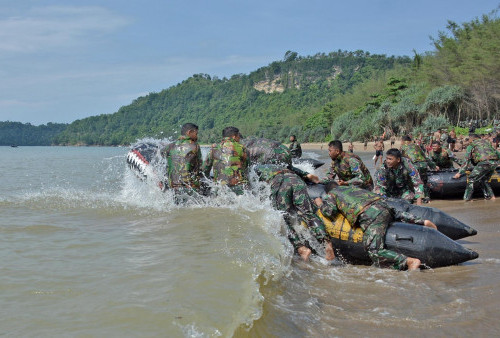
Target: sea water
x,y
87,249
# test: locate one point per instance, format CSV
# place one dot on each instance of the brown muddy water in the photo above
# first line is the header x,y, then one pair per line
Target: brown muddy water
x,y
88,250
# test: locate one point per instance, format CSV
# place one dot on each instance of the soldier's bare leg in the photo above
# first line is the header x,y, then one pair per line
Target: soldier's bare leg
x,y
304,252
329,254
413,263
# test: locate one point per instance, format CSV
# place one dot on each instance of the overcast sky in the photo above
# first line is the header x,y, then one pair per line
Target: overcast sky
x,y
64,60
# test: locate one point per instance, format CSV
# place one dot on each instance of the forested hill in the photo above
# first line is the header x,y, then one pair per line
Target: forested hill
x,y
272,101
26,134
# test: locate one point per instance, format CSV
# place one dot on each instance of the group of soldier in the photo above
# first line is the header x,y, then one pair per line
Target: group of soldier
x,y
352,193
404,173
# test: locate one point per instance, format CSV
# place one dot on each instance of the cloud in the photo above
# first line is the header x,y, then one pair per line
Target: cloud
x,y
54,27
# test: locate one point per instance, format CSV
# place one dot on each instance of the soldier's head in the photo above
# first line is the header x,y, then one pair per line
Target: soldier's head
x,y
292,138
190,130
231,132
392,157
335,149
406,139
436,146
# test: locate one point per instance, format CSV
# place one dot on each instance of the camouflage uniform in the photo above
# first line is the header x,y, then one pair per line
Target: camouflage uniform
x,y
295,149
265,151
401,182
373,215
183,164
230,162
417,156
444,159
484,158
350,168
289,194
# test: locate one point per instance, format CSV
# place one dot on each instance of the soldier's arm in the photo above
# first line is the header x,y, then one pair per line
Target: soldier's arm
x,y
418,184
209,161
327,206
301,173
199,160
467,160
407,217
380,186
356,171
330,177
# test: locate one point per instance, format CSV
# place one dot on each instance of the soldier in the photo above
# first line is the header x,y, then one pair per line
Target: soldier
x,y
442,157
417,156
348,167
184,161
368,211
399,178
484,158
229,160
295,148
289,194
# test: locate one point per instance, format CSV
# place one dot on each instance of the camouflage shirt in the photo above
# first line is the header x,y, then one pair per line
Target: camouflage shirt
x,y
394,182
351,201
478,151
183,163
444,158
229,160
415,153
350,168
295,149
265,151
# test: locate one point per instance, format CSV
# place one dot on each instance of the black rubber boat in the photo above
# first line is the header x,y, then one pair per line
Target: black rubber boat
x,y
143,158
442,184
446,224
433,248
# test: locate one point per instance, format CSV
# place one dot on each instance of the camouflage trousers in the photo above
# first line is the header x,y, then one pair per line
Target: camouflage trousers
x,y
422,171
289,194
183,195
481,174
374,222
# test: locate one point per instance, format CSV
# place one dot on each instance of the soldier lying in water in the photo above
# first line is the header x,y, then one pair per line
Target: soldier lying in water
x,y
373,215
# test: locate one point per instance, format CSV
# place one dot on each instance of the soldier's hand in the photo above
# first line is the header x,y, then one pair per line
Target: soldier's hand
x,y
429,224
419,201
318,201
313,178
341,182
456,176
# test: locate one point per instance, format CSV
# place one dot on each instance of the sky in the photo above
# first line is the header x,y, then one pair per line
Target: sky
x,y
65,60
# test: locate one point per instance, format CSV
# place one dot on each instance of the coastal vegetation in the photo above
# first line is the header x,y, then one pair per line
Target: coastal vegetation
x,y
341,94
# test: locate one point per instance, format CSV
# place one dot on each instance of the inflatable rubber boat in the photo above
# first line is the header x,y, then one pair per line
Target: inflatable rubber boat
x,y
442,184
433,248
446,224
